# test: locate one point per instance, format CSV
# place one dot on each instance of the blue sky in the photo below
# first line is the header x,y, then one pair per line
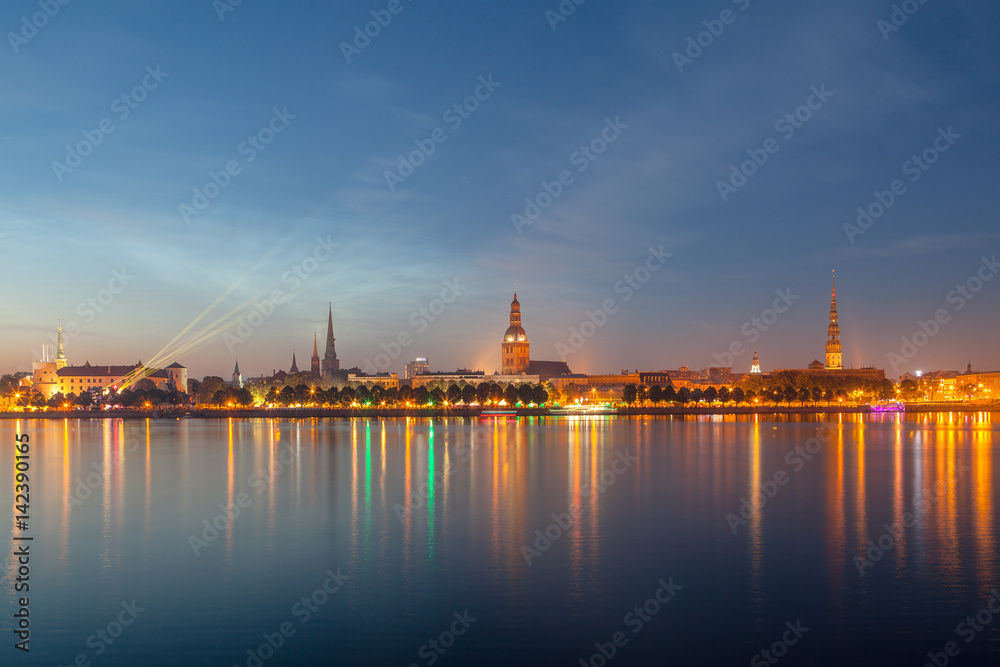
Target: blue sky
x,y
344,125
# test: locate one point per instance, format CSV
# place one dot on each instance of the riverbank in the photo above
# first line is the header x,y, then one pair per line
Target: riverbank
x,y
476,412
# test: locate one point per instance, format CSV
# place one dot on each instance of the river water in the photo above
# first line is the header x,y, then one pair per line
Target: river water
x,y
843,539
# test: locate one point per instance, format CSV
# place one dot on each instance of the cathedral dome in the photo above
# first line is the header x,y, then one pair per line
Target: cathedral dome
x,y
515,334
515,305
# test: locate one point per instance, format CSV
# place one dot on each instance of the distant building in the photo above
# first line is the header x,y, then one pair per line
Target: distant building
x,y
52,377
316,371
471,377
385,380
514,351
514,348
834,354
416,367
237,376
546,370
294,368
330,362
755,364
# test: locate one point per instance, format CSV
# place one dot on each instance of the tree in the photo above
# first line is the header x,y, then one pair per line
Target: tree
x,y
287,396
572,392
453,395
525,393
436,397
224,397
303,394
331,396
362,395
655,394
145,384
817,394
348,396
483,392
406,393
38,400
684,395
908,389
629,394
378,394
243,397
392,395
790,395
804,395
725,395
641,394
510,395
156,397
421,396
670,394
84,400
208,387
470,394
57,400
697,395
711,394
539,395
271,398
193,387
737,395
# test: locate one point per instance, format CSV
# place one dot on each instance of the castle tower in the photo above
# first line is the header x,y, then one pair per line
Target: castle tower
x,y
315,358
755,364
60,355
294,368
237,376
514,348
834,357
330,362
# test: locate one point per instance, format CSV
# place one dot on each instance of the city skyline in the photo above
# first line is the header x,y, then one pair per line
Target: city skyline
x,y
208,187
394,352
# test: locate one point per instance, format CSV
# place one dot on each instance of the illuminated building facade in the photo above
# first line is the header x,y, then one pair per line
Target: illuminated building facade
x,y
57,376
416,367
514,348
834,354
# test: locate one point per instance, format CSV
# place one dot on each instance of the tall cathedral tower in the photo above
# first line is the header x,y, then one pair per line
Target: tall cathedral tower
x,y
514,349
834,358
755,364
315,358
330,362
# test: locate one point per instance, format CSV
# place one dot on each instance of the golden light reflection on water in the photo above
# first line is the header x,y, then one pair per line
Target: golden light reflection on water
x,y
898,494
871,471
230,492
860,491
755,526
836,521
985,526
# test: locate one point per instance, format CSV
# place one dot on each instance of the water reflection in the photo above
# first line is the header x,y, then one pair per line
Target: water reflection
x,y
420,505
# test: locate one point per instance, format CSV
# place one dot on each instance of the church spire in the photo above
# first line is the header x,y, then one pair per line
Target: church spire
x,y
294,368
834,355
330,362
315,367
